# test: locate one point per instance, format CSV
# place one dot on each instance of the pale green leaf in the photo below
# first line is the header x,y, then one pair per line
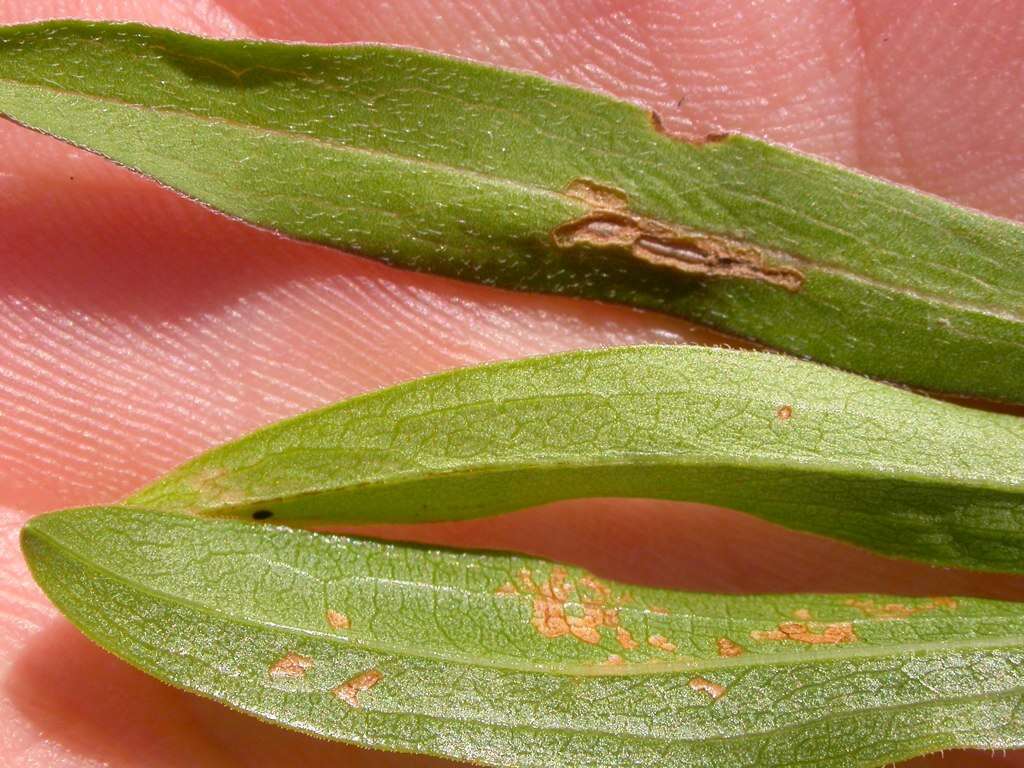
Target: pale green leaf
x,y
449,167
793,442
440,652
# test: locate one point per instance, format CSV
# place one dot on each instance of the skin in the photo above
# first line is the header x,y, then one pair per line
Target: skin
x,y
137,329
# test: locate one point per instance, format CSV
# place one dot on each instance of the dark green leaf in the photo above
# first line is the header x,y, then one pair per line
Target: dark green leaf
x,y
448,167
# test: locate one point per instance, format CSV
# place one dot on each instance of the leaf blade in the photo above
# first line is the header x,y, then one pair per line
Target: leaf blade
x,y
792,442
449,167
199,604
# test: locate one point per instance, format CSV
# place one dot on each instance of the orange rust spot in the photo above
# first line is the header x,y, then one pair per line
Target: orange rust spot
x,y
582,629
895,611
662,643
600,593
337,620
506,590
714,690
626,639
550,617
657,609
832,634
549,602
613,660
291,665
802,614
728,649
785,413
349,690
610,224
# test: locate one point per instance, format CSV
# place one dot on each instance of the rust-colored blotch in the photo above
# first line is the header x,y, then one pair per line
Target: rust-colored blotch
x,y
349,690
662,643
728,649
550,618
291,665
895,611
714,690
626,639
337,620
831,634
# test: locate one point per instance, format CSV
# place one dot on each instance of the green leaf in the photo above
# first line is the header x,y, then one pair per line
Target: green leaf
x,y
509,661
793,442
507,179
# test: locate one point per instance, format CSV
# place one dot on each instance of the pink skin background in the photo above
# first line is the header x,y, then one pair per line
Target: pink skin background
x,y
137,329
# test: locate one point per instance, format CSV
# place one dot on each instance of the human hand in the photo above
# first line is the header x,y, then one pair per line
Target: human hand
x,y
138,329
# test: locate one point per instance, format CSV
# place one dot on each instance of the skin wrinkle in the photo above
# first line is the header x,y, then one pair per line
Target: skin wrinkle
x,y
300,327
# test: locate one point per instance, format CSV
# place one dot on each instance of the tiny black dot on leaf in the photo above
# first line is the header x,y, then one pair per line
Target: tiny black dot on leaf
x,y
261,514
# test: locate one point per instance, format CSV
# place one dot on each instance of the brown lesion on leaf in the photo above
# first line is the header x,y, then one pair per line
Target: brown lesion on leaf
x,y
337,620
550,616
708,138
727,649
897,611
349,690
785,413
549,598
291,665
662,643
801,632
626,639
508,589
714,690
610,224
656,123
599,591
802,614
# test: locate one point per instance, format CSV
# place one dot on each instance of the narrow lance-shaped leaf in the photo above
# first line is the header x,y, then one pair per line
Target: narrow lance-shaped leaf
x,y
449,167
509,661
793,442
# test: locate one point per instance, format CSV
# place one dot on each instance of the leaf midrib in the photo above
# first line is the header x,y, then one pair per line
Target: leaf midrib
x,y
797,260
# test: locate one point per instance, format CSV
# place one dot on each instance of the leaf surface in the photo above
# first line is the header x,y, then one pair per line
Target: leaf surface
x,y
504,660
793,442
444,166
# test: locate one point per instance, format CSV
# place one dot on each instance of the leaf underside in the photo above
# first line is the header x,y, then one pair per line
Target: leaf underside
x,y
444,166
793,442
504,660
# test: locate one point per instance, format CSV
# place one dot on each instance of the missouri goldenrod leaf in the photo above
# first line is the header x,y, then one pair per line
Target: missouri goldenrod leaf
x,y
508,661
793,442
444,166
